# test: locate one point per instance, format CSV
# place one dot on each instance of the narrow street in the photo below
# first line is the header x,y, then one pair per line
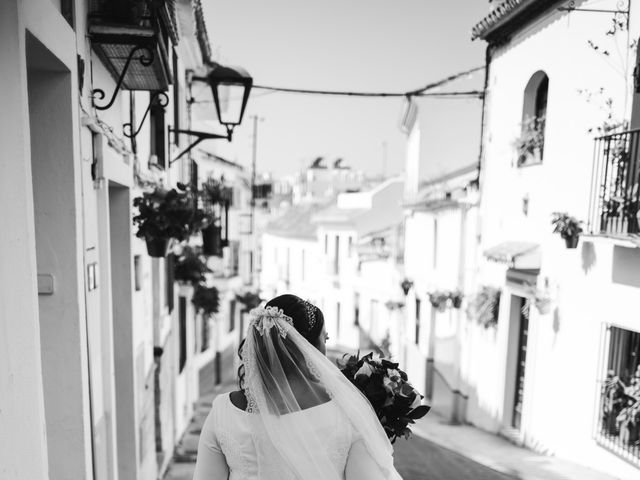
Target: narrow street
x,y
416,459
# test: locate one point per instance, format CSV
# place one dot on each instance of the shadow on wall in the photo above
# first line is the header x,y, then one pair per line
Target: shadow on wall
x,y
626,265
588,256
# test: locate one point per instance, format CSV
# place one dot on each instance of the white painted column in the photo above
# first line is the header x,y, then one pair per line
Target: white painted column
x,y
23,446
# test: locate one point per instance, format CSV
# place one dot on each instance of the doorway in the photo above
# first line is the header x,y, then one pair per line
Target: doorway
x,y
521,361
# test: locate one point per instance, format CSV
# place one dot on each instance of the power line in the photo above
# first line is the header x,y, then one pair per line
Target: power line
x,y
420,92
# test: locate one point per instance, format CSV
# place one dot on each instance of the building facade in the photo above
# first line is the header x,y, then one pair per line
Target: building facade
x,y
102,350
555,367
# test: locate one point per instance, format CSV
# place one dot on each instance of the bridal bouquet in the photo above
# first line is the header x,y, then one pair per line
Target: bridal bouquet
x,y
396,403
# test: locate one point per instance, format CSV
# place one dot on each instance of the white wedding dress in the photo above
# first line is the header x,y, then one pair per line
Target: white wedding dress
x,y
277,438
227,448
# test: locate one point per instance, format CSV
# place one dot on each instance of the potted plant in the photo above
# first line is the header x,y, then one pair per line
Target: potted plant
x,y
406,285
438,300
568,227
456,298
190,267
394,305
541,298
206,300
249,299
484,306
167,214
530,142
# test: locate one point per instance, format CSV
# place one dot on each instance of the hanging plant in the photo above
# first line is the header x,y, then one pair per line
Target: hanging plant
x,y
406,285
206,300
540,298
215,192
394,305
190,266
456,297
439,300
249,299
484,306
568,227
167,214
530,142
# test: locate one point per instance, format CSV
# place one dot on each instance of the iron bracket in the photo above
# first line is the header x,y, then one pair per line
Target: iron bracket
x,y
145,58
200,137
160,98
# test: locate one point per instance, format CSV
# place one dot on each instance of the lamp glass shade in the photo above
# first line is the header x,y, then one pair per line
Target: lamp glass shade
x,y
230,108
230,88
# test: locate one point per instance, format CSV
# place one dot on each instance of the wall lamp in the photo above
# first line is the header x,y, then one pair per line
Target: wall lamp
x,y
226,84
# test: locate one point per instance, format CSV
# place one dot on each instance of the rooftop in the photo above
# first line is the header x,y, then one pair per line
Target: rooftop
x,y
508,16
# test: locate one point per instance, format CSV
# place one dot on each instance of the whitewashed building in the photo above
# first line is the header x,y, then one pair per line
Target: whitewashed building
x,y
98,372
341,255
557,372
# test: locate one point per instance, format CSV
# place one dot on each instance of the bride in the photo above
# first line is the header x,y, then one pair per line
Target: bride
x,y
295,417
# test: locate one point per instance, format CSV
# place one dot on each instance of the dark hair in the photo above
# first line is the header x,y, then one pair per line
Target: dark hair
x,y
308,320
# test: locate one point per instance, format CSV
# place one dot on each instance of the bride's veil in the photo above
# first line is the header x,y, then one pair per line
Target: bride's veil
x,y
284,375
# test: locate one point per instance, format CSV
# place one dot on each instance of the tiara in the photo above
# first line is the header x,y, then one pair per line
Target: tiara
x,y
311,314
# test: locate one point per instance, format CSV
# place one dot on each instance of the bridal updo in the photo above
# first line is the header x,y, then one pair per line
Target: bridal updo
x,y
307,318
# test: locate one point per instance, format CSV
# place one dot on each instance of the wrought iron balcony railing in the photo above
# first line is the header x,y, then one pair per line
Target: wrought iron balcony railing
x,y
615,189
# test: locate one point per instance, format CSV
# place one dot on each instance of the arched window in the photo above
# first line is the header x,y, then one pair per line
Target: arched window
x,y
530,144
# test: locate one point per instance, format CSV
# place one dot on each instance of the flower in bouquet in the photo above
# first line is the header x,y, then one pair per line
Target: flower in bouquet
x,y
396,402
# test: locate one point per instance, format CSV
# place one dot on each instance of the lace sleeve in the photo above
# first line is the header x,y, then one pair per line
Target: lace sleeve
x,y
211,463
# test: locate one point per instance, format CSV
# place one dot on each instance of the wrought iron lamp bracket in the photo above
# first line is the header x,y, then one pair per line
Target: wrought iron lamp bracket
x,y
571,7
159,98
145,58
200,136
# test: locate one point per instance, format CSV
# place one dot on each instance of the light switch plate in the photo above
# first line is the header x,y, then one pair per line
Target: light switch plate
x,y
45,284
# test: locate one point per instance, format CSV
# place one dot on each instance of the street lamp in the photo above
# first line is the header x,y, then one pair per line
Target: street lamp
x,y
224,82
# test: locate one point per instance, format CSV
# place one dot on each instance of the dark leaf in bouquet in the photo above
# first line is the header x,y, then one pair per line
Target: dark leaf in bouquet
x,y
419,412
387,364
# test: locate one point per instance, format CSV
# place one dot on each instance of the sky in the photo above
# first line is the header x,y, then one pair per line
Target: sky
x,y
354,45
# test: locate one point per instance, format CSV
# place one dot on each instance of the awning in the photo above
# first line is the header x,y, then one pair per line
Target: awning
x,y
518,255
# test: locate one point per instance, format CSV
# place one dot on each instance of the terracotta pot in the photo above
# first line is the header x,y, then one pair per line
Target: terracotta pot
x,y
572,241
157,247
212,241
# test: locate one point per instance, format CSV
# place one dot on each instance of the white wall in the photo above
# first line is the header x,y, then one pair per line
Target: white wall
x,y
588,286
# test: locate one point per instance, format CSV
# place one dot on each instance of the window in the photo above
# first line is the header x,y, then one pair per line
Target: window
x,y
435,243
182,332
530,144
157,130
337,319
336,258
356,310
232,315
177,103
169,281
137,272
350,246
418,304
326,244
618,428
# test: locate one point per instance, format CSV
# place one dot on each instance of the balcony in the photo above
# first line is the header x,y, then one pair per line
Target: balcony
x,y
118,27
615,192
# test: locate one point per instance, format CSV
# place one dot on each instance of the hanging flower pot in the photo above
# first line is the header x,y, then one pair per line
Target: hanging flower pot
x,y
190,267
157,247
543,305
167,214
406,285
212,241
456,298
438,300
568,227
572,241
